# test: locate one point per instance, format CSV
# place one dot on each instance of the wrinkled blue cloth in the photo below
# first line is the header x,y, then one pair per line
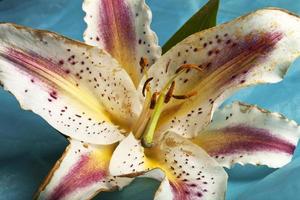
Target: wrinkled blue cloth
x,y
29,146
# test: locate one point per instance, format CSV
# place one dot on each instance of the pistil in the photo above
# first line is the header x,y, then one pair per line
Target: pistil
x,y
157,101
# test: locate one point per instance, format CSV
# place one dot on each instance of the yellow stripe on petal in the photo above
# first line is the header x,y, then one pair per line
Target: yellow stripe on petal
x,y
153,159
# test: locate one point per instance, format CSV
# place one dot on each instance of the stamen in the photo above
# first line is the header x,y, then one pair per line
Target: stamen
x,y
146,84
170,92
186,96
188,66
143,63
153,100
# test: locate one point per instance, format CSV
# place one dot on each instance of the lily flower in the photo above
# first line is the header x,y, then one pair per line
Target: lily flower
x,y
129,111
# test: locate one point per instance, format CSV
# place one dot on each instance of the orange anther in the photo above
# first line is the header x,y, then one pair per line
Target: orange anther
x,y
188,66
186,96
170,92
146,85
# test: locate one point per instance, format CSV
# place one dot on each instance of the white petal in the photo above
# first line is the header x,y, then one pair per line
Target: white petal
x,y
256,48
122,27
246,134
78,89
81,173
190,172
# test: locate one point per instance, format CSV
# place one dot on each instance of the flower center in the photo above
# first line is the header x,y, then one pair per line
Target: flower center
x,y
154,104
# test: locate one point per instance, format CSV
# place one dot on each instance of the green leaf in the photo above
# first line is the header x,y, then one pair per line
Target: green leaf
x,y
205,18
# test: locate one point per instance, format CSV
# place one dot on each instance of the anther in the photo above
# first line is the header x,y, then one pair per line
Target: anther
x,y
143,63
188,66
170,92
146,84
186,96
153,100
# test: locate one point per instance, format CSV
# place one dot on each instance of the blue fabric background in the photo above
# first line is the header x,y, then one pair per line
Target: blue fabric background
x,y
29,146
